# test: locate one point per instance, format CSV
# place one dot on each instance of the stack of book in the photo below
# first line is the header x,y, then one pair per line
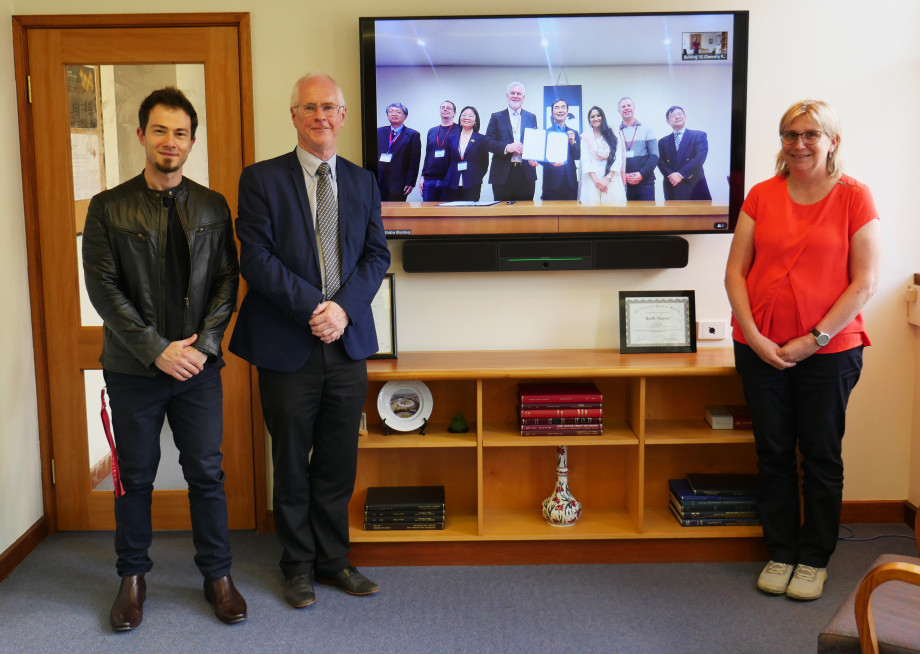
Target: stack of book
x,y
564,408
714,500
389,508
736,416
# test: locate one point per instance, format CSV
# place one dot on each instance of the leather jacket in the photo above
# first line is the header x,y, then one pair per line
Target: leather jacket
x,y
124,265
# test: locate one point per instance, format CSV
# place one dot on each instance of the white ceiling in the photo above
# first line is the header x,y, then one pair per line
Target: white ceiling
x,y
571,40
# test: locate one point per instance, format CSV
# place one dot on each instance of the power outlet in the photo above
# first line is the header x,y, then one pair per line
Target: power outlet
x,y
710,330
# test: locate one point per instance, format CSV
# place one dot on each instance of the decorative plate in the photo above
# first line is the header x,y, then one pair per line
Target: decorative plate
x,y
404,405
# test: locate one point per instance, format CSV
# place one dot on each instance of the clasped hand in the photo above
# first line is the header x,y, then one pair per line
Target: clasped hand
x,y
180,360
328,322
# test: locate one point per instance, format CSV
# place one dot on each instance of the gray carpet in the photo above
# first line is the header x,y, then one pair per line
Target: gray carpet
x,y
58,601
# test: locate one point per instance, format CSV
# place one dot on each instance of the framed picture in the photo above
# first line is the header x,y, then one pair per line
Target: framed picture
x,y
657,321
384,309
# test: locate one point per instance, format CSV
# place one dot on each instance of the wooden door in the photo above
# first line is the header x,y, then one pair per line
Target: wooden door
x,y
46,46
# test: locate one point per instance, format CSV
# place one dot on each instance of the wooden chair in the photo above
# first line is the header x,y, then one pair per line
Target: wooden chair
x,y
896,608
892,571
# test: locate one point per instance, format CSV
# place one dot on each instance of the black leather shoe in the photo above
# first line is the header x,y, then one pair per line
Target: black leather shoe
x,y
298,591
229,605
128,609
351,581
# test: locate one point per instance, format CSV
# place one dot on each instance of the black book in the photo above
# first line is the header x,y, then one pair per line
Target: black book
x,y
713,522
405,526
686,498
743,511
723,484
417,520
434,513
405,498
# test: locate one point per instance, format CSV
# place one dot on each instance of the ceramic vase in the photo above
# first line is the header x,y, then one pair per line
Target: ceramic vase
x,y
561,509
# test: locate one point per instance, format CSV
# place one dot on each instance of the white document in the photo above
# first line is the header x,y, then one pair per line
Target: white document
x,y
543,145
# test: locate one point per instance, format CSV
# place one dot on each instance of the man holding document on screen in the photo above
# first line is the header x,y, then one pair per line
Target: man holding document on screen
x,y
512,177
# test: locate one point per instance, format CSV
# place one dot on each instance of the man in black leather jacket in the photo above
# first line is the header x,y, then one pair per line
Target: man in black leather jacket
x,y
161,269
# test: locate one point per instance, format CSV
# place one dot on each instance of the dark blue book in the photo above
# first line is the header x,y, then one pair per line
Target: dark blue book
x,y
724,484
713,522
686,498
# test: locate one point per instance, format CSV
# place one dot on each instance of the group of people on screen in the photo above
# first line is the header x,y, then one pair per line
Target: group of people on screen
x,y
617,163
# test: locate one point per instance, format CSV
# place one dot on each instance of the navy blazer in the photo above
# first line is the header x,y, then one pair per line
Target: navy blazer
x,y
500,134
476,157
688,161
281,265
402,170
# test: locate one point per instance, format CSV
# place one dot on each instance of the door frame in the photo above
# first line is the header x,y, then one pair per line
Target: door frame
x,y
21,26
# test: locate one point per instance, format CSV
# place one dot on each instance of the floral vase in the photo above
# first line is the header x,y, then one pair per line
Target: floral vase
x,y
561,509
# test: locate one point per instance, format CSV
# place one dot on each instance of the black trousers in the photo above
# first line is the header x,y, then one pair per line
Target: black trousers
x,y
313,415
802,406
464,193
518,186
195,411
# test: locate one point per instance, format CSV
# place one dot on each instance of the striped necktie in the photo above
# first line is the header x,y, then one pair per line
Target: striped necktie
x,y
327,219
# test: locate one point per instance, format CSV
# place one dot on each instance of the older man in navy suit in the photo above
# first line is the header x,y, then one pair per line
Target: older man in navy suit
x,y
399,155
681,157
313,253
511,177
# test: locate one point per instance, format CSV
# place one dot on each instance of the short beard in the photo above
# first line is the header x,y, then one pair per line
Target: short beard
x,y
166,169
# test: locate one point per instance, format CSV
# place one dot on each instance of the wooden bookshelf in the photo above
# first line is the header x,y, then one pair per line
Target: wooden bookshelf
x,y
495,479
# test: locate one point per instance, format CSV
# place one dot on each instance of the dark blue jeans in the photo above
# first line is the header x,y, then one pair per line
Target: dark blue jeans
x,y
194,408
805,407
434,190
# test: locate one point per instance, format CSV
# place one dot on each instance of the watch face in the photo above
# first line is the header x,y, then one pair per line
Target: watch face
x,y
823,340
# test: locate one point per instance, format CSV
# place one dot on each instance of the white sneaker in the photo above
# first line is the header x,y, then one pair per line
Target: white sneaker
x,y
775,578
807,583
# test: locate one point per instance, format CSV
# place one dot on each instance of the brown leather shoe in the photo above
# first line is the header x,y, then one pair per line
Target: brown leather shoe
x,y
128,609
229,605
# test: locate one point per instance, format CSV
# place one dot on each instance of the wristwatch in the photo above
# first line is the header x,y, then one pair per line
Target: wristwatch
x,y
821,338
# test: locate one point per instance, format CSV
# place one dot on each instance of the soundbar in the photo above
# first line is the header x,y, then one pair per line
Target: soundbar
x,y
497,255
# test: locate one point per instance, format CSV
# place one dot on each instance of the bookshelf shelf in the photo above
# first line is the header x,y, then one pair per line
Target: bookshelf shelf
x,y
495,479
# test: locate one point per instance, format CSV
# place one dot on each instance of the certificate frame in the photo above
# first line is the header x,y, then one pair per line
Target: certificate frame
x,y
672,315
383,308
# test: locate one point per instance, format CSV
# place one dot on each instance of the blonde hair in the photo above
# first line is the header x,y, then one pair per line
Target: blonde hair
x,y
827,120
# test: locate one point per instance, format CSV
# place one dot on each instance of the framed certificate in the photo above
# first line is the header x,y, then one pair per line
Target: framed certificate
x,y
657,321
384,309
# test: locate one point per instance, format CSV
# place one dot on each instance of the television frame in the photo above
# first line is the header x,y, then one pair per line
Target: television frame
x,y
414,220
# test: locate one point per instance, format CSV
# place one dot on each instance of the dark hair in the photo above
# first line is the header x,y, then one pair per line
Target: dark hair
x,y
667,115
451,104
168,97
477,124
608,135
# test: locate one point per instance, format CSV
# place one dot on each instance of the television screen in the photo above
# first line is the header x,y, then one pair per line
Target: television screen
x,y
496,120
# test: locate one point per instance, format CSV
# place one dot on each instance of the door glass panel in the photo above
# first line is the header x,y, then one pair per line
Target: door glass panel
x,y
169,474
103,103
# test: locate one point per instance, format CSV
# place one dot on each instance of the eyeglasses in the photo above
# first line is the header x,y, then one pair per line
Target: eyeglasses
x,y
808,138
327,108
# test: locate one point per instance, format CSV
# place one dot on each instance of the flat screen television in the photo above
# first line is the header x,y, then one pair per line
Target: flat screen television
x,y
693,60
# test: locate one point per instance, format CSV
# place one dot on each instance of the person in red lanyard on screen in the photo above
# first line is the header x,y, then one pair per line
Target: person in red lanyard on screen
x,y
469,158
803,262
641,153
434,169
399,153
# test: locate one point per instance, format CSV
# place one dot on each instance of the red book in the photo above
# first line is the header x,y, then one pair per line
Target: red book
x,y
561,421
559,432
562,405
559,392
562,413
563,428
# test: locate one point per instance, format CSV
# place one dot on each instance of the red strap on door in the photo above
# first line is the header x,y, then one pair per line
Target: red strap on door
x,y
116,475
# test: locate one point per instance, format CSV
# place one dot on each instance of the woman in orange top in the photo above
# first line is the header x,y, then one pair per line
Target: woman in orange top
x,y
803,261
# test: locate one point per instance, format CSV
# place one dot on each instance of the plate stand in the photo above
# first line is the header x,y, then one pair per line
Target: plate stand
x,y
387,430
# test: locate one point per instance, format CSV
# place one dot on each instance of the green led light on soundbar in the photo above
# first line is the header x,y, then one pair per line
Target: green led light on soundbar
x,y
547,259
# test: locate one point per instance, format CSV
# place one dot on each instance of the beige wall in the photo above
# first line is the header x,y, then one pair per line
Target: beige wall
x,y
798,49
